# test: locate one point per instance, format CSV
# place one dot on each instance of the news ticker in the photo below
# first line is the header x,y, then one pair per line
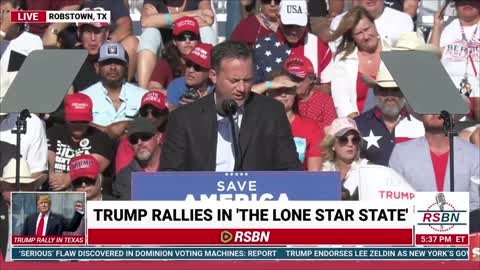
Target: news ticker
x,y
58,16
240,253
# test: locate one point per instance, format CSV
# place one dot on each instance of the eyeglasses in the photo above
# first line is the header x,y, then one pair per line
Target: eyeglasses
x,y
196,67
345,139
156,113
134,138
186,36
268,2
77,183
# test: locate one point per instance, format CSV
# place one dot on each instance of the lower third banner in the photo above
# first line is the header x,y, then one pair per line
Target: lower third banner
x,y
238,253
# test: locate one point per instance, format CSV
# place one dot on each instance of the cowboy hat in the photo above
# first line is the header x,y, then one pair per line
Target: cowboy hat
x,y
413,41
383,79
8,175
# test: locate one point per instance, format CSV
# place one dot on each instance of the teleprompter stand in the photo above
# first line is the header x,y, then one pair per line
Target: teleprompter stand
x,y
40,85
428,90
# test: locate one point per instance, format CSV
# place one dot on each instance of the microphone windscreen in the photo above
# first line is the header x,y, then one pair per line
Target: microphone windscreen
x,y
227,107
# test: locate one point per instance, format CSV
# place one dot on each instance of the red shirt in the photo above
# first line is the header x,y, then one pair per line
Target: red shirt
x,y
39,28
440,168
320,108
306,129
125,155
249,30
362,92
163,73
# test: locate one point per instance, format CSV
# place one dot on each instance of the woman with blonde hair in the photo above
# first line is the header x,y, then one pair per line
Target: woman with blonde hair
x,y
358,54
341,152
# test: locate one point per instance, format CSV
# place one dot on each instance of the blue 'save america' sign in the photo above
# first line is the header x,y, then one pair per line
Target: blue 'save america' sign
x,y
218,186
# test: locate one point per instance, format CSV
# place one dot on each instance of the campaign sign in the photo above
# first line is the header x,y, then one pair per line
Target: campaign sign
x,y
236,186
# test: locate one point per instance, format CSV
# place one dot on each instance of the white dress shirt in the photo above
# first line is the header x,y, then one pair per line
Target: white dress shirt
x,y
225,160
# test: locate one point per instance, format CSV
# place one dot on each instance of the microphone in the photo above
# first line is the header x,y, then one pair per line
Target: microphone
x,y
227,107
440,199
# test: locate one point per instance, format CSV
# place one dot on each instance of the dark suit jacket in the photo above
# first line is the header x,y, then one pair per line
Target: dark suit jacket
x,y
266,141
56,225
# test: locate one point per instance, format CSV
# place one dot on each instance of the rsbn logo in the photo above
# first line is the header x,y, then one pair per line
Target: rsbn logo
x,y
441,216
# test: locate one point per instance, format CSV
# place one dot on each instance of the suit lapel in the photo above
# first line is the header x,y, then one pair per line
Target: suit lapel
x,y
208,123
457,155
51,220
248,123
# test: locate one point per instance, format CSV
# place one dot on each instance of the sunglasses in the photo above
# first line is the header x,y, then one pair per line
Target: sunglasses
x,y
345,139
80,123
268,2
133,139
291,27
79,182
186,36
156,113
196,67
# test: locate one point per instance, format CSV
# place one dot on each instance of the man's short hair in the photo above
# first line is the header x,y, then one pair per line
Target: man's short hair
x,y
229,49
43,197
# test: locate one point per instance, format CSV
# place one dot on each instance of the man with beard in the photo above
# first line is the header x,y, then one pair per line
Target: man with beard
x,y
388,123
146,143
75,138
424,162
115,101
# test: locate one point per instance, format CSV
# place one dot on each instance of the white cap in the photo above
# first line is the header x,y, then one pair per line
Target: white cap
x,y
294,12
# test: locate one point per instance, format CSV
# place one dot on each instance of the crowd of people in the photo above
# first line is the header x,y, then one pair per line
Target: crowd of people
x,y
310,90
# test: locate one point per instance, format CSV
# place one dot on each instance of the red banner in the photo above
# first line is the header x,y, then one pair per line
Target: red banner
x,y
475,247
48,240
250,236
31,16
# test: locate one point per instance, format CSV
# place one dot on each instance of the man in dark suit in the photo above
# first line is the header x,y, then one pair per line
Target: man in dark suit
x,y
200,137
46,223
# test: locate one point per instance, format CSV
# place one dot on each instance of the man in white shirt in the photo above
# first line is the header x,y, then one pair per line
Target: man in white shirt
x,y
33,145
389,22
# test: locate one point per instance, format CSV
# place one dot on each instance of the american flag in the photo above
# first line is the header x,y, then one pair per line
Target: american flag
x,y
270,55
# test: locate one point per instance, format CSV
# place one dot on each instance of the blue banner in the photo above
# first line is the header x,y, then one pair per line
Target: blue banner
x,y
238,253
253,186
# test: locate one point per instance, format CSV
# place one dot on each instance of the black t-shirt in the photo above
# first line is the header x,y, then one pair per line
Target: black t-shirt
x,y
116,7
161,6
60,142
317,8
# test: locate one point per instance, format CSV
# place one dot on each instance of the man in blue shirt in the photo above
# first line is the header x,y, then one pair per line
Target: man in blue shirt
x,y
196,79
115,101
